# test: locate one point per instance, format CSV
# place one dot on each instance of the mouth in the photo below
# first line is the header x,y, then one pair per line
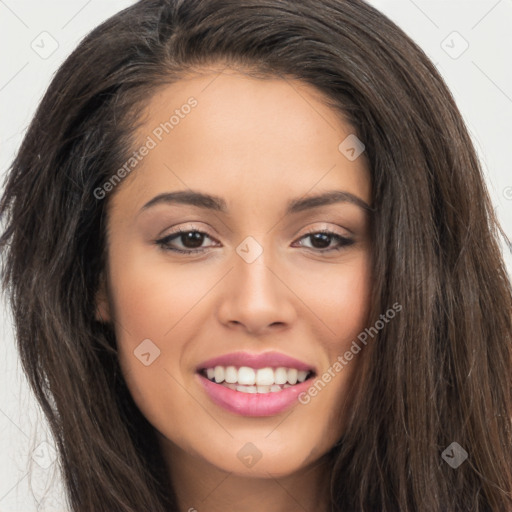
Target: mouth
x,y
251,384
245,379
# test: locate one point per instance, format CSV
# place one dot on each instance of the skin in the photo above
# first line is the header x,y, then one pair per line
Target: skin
x,y
257,144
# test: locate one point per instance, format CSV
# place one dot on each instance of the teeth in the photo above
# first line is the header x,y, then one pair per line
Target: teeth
x,y
301,375
247,389
219,374
231,375
292,376
281,376
262,380
265,377
246,376
255,389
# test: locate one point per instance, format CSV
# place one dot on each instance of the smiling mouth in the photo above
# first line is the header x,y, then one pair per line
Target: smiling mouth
x,y
251,380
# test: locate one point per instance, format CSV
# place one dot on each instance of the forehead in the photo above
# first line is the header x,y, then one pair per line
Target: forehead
x,y
242,137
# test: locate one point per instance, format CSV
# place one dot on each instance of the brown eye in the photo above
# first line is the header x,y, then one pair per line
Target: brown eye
x,y
191,241
321,240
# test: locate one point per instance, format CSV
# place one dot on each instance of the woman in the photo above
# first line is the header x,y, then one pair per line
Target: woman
x,y
343,339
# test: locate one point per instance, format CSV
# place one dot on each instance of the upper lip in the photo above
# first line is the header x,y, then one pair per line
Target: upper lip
x,y
263,360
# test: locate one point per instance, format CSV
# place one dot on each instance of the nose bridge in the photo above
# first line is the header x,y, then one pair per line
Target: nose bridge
x,y
252,269
255,297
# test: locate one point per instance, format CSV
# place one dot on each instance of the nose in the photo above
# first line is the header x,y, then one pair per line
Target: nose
x,y
256,297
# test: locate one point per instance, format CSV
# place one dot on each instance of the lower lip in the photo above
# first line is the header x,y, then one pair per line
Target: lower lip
x,y
253,404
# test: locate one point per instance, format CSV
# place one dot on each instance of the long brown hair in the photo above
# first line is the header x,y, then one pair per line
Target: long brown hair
x,y
439,374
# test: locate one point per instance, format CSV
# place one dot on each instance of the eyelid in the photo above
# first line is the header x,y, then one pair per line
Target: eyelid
x,y
313,230
162,240
325,227
343,241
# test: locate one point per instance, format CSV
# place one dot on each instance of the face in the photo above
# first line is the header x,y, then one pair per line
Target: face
x,y
222,327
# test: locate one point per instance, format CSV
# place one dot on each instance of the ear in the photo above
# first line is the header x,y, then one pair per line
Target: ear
x,y
102,303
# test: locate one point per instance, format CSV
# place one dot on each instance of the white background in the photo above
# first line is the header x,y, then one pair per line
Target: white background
x,y
480,79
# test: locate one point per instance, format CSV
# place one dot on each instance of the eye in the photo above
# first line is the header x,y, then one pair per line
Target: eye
x,y
191,241
321,240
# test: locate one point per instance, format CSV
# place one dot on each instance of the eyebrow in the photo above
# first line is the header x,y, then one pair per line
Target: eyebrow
x,y
211,202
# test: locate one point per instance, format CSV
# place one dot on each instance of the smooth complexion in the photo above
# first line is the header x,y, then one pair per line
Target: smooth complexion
x,y
257,145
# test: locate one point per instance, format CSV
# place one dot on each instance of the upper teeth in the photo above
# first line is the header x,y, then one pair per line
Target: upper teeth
x,y
261,377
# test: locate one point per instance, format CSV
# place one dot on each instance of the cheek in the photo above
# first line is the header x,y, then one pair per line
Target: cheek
x,y
339,297
154,300
151,297
150,306
348,307
342,303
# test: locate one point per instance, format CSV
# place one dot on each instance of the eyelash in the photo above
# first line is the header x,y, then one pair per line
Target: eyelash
x,y
164,242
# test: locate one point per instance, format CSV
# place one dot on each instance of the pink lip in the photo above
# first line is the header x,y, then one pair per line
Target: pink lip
x,y
253,404
266,359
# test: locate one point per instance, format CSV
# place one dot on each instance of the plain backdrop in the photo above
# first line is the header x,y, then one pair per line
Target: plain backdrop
x,y
469,41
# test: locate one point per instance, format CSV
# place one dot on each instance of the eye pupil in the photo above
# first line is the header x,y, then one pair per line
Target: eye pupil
x,y
194,237
323,238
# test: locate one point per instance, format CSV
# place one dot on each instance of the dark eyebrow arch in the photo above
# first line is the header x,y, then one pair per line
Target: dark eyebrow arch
x,y
326,198
210,202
